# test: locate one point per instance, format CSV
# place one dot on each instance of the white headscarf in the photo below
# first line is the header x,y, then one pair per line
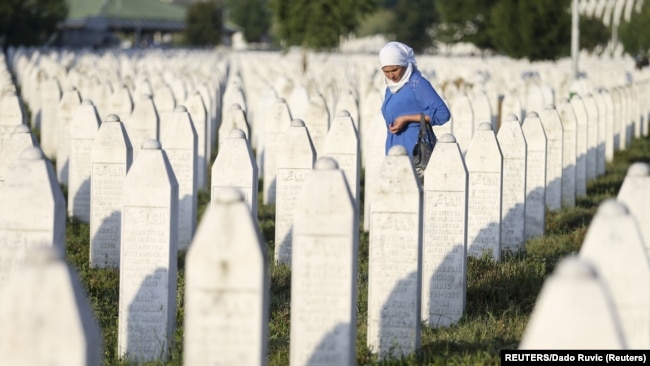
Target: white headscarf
x,y
397,54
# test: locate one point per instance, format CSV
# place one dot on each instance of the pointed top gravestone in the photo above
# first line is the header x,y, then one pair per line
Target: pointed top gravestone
x,y
394,277
574,310
148,257
143,123
228,257
33,210
180,144
20,139
536,149
514,149
485,167
70,101
11,115
83,129
324,270
279,118
295,161
553,131
111,159
444,242
235,166
46,317
342,144
614,244
569,150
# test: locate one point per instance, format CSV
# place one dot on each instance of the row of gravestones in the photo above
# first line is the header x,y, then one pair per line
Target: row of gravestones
x,y
140,215
600,298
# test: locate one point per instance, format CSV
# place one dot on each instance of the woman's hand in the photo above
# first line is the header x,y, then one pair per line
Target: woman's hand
x,y
398,125
400,122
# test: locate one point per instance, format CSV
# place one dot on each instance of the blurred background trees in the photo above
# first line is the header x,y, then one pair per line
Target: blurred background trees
x,y
537,30
29,23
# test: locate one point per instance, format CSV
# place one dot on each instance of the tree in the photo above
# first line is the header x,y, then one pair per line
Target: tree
x,y
204,23
413,22
253,16
319,24
465,21
32,22
636,41
537,30
593,33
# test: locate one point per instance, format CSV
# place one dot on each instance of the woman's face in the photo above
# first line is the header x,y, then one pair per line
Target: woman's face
x,y
393,73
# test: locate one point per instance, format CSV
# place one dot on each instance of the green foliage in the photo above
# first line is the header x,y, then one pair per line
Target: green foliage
x,y
537,30
593,33
413,23
378,22
465,21
253,16
631,33
204,23
320,24
30,23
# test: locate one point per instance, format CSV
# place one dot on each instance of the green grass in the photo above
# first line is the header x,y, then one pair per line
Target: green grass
x,y
500,295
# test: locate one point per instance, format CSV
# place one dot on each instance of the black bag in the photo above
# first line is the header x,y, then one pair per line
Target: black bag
x,y
423,147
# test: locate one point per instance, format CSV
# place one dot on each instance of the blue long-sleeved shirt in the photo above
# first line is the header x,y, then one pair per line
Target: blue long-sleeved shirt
x,y
415,97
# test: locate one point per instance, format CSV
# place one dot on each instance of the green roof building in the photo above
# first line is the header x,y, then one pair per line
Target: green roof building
x,y
94,22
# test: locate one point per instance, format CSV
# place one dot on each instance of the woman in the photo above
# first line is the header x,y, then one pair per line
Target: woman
x,y
408,95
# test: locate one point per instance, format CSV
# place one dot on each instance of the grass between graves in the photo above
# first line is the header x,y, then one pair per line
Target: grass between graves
x,y
500,295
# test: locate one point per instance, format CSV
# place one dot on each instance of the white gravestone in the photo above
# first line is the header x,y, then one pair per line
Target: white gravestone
x,y
235,166
605,100
552,124
462,121
317,119
635,194
33,210
536,147
512,103
20,139
582,129
180,144
83,128
142,124
226,287
513,215
574,310
324,270
234,118
617,111
147,304
569,149
70,101
342,144
121,103
196,107
593,116
375,151
296,159
600,100
394,260
11,115
347,101
165,102
111,159
614,244
50,97
444,242
480,103
277,121
46,317
485,167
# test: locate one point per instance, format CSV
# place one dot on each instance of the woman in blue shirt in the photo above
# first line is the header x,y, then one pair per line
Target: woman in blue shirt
x,y
408,95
